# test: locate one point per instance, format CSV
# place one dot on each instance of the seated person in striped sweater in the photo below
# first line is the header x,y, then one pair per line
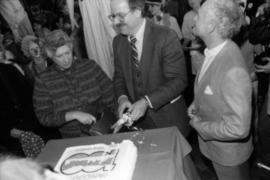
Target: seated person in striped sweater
x,y
72,92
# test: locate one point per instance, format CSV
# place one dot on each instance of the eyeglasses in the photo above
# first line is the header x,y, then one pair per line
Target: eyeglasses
x,y
120,16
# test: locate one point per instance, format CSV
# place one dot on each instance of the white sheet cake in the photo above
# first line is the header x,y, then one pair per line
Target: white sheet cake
x,y
99,161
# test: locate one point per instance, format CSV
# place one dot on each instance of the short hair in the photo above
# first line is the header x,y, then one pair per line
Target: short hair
x,y
228,17
56,39
137,4
26,41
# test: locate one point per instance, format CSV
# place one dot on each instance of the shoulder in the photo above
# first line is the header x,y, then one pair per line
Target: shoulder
x,y
232,56
189,15
118,38
160,31
233,50
172,19
48,74
88,67
85,65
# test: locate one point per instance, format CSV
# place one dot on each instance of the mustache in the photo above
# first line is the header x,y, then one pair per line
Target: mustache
x,y
119,25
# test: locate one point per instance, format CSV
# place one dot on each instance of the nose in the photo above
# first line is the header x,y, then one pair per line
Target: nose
x,y
116,20
195,18
66,59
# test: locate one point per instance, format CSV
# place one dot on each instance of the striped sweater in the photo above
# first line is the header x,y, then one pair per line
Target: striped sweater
x,y
84,87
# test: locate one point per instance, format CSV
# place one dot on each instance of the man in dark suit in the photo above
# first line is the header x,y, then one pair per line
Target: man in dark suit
x,y
221,111
150,71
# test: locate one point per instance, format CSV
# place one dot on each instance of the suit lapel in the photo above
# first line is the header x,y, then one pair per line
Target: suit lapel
x,y
205,79
127,65
147,49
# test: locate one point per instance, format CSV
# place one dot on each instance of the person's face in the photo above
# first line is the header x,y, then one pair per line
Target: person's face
x,y
63,57
154,9
35,10
123,18
194,4
202,21
34,49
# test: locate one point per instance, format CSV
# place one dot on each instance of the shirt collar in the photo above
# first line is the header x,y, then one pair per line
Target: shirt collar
x,y
139,34
214,51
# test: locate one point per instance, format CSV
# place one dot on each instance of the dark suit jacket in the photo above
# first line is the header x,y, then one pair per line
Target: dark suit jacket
x,y
163,72
223,102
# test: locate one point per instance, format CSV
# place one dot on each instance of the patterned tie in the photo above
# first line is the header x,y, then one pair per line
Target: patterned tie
x,y
134,52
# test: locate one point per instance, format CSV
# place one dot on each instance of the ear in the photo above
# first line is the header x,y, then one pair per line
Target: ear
x,y
138,12
211,25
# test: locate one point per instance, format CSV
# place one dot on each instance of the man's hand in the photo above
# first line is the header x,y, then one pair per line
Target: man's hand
x,y
82,117
194,120
261,9
264,68
192,110
16,133
124,104
138,109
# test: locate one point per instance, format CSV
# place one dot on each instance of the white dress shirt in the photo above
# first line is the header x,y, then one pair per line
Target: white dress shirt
x,y
210,55
139,36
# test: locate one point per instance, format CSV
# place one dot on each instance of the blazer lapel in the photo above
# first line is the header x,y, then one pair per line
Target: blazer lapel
x,y
147,49
205,79
127,66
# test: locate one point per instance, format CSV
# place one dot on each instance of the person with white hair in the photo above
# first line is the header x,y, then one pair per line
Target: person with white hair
x,y
221,110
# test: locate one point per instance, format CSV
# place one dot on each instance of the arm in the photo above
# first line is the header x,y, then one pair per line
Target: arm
x,y
186,29
48,116
175,26
174,70
236,118
119,83
118,78
44,107
70,4
105,85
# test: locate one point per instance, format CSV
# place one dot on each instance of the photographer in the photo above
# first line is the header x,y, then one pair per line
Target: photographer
x,y
259,34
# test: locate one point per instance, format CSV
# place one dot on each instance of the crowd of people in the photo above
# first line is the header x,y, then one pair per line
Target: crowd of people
x,y
205,72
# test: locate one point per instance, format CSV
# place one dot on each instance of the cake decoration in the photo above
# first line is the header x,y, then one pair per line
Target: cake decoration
x,y
99,161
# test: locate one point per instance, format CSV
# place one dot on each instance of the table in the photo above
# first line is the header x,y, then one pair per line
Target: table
x,y
163,154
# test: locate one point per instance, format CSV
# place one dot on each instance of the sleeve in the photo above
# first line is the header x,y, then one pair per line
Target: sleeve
x,y
174,70
118,78
175,27
236,117
106,87
44,107
186,29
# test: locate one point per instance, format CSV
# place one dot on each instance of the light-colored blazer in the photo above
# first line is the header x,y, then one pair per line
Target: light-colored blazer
x,y
223,102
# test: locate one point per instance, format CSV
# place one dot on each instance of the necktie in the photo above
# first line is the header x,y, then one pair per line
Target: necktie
x,y
134,52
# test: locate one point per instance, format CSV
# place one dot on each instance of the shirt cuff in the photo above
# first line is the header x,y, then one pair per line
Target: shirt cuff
x,y
121,97
149,102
